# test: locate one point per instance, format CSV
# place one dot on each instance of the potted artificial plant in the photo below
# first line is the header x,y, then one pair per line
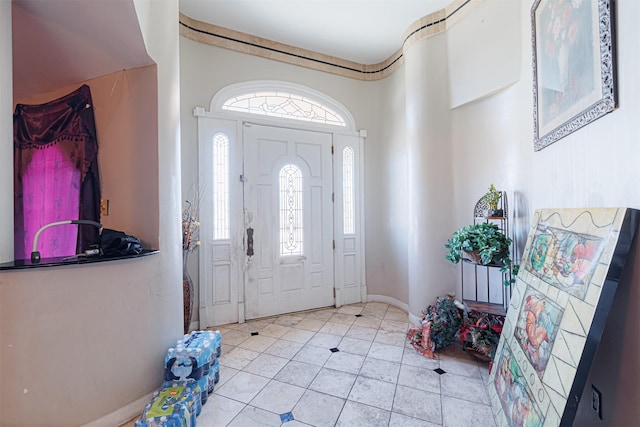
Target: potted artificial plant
x,y
492,197
484,244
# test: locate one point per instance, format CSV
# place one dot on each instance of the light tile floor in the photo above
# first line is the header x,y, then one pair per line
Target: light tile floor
x,y
349,366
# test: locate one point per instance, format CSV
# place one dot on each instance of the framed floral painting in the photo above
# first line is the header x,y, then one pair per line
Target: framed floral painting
x,y
574,70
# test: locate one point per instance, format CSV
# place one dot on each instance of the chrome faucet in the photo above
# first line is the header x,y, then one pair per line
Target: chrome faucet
x,y
35,255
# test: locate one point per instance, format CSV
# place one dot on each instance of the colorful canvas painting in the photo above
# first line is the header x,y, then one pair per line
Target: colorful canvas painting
x,y
569,273
564,259
518,404
537,327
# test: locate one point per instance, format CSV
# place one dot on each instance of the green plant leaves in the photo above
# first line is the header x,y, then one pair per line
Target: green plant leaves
x,y
492,197
485,238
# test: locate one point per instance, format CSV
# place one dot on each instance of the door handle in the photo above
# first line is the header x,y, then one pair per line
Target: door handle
x,y
249,241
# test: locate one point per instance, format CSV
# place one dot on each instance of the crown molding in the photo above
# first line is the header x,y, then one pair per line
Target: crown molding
x,y
427,26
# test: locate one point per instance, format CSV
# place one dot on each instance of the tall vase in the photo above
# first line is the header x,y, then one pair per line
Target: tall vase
x,y
187,293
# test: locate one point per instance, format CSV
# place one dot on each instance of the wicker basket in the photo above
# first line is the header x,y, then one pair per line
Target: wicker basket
x,y
475,353
473,256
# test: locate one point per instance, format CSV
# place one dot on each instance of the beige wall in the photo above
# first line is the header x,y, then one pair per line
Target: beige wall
x,y
596,166
81,342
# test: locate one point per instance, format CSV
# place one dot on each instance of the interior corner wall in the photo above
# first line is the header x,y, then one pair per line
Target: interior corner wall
x,y
6,134
386,193
596,166
429,171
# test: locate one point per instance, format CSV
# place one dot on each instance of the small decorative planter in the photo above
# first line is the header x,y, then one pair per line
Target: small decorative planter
x,y
492,197
495,213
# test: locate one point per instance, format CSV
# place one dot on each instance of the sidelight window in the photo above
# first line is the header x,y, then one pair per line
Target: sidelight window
x,y
347,190
220,186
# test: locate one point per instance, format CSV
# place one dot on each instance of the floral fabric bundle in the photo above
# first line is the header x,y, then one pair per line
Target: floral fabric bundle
x,y
440,325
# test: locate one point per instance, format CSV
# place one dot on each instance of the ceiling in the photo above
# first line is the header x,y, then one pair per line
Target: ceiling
x,y
363,31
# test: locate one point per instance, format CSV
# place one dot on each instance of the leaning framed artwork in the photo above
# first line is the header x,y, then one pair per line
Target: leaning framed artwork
x,y
574,66
569,274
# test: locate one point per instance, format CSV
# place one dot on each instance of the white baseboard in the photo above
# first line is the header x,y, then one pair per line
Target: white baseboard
x,y
389,300
122,415
416,320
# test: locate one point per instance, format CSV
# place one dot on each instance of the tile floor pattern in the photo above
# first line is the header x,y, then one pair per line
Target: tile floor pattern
x,y
349,366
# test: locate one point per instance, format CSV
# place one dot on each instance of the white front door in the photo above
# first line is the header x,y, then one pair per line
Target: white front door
x,y
289,218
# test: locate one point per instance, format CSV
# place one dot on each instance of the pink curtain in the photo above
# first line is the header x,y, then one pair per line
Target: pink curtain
x,y
56,175
52,181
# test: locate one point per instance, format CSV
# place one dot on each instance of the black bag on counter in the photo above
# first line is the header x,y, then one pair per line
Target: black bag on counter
x,y
118,243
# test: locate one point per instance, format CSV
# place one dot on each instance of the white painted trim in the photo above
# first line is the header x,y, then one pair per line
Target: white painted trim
x,y
338,290
363,254
388,300
122,415
272,121
241,312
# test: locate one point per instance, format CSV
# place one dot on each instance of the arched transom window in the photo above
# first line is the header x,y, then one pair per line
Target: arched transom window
x,y
290,211
285,105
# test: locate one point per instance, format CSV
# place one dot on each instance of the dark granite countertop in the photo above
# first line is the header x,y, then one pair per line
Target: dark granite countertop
x,y
26,264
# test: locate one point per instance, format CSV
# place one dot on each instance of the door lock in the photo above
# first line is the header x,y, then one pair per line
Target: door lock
x,y
249,241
